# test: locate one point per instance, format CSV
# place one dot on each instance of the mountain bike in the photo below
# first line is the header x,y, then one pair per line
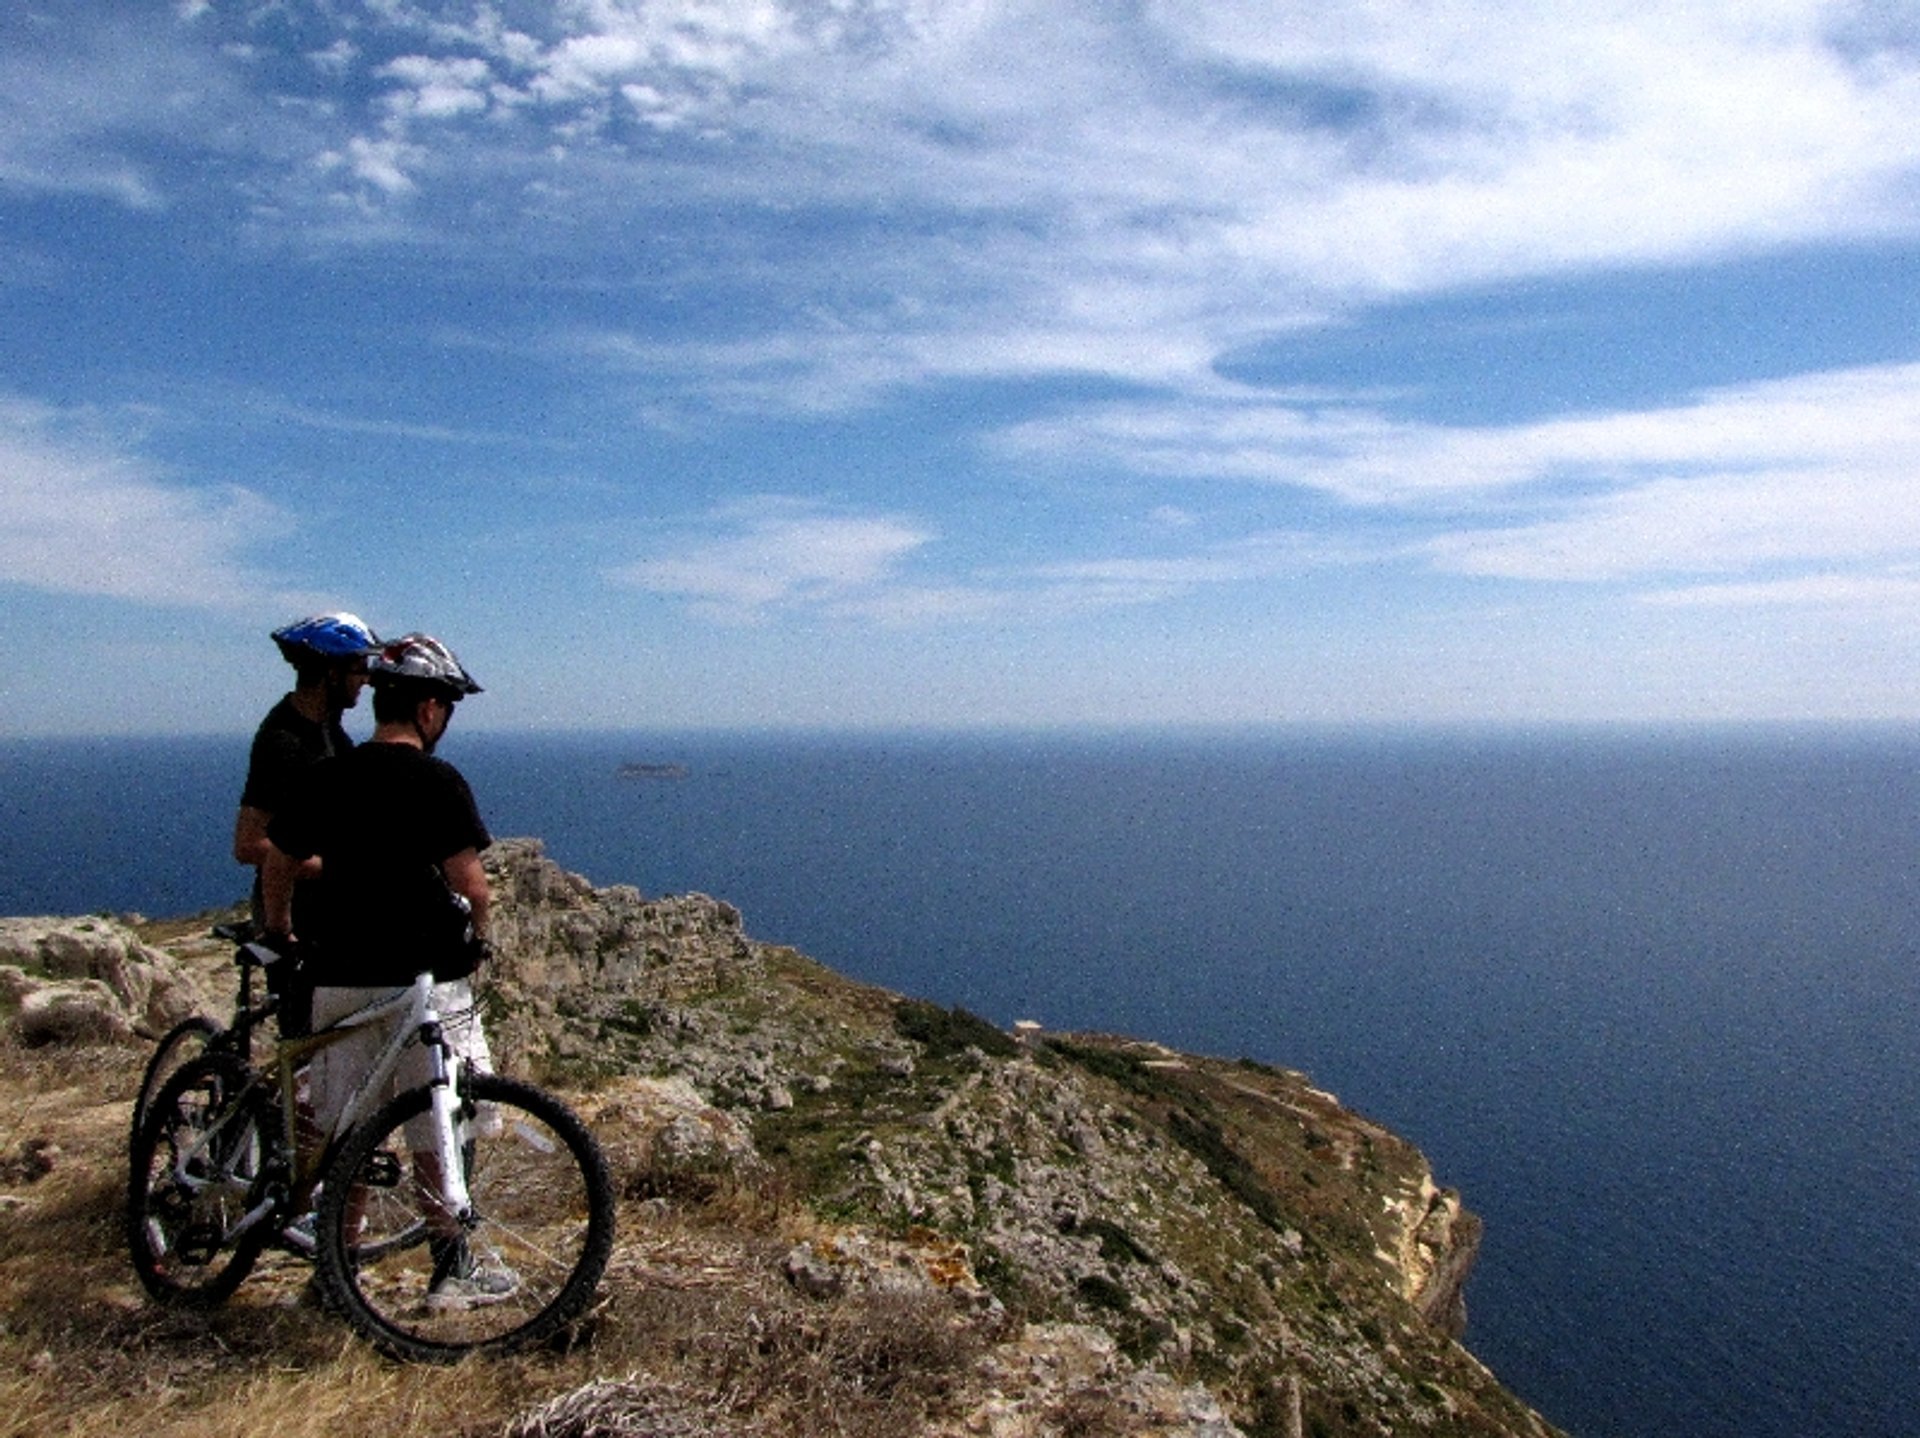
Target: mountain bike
x,y
473,1212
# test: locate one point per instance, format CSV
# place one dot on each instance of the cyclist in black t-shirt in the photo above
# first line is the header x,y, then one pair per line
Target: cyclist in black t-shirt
x,y
398,836
328,653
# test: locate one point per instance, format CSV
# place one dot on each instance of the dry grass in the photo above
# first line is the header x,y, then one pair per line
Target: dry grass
x,y
694,1322
1091,1413
764,1361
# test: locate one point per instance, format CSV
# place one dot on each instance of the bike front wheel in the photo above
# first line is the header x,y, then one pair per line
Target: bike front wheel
x,y
521,1266
196,1176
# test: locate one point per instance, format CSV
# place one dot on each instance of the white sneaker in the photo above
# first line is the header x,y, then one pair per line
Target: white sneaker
x,y
299,1234
460,1282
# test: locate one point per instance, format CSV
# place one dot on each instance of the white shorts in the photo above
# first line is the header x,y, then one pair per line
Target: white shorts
x,y
338,1068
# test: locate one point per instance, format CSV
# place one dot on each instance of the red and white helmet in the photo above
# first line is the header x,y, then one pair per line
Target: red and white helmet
x,y
422,660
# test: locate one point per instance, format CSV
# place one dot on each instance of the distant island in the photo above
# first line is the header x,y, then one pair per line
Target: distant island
x,y
652,771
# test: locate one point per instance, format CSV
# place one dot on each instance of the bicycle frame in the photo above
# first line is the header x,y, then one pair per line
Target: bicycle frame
x,y
415,1020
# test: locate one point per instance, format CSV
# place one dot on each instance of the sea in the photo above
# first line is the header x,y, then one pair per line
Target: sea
x,y
1649,999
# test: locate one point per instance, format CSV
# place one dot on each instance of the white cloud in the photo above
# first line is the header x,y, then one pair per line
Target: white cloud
x,y
1067,188
779,557
337,58
1855,418
1715,524
1818,471
1814,471
1794,492
1330,145
1260,167
433,89
779,554
80,515
802,205
1280,554
379,163
1895,594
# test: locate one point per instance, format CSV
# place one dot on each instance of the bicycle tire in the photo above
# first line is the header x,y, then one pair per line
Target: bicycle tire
x,y
196,1171
543,1207
178,1047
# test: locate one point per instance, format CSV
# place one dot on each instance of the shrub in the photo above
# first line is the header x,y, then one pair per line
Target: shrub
x,y
1124,1069
1102,1292
949,1032
1205,1142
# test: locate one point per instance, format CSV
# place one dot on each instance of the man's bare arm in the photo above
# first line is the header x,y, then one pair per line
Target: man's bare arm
x,y
250,836
277,875
250,841
468,877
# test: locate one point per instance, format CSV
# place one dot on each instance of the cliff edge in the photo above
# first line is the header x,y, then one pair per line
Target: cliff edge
x,y
844,1210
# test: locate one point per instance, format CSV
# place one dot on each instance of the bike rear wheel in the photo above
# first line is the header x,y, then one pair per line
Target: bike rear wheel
x,y
541,1228
180,1046
196,1173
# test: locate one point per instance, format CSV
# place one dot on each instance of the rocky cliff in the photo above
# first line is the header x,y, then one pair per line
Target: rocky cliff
x,y
1117,1237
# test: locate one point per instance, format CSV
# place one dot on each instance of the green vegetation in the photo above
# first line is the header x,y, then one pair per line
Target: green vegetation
x,y
1102,1292
1204,1140
631,1017
947,1033
1116,1244
1130,1073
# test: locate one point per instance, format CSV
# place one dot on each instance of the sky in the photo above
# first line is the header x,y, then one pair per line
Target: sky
x,y
873,364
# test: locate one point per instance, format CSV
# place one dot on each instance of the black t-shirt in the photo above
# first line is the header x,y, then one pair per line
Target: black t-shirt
x,y
383,818
285,746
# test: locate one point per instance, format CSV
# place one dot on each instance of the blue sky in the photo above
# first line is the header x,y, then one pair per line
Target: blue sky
x,y
871,363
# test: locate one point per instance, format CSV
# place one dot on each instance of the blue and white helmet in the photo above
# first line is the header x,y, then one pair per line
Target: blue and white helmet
x,y
422,660
326,636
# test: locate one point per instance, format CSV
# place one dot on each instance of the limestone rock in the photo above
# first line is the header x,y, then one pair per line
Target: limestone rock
x,y
90,980
847,1259
659,1133
564,950
1070,1377
81,1011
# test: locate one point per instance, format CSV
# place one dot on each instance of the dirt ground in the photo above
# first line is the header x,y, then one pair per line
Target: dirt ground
x,y
693,1319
